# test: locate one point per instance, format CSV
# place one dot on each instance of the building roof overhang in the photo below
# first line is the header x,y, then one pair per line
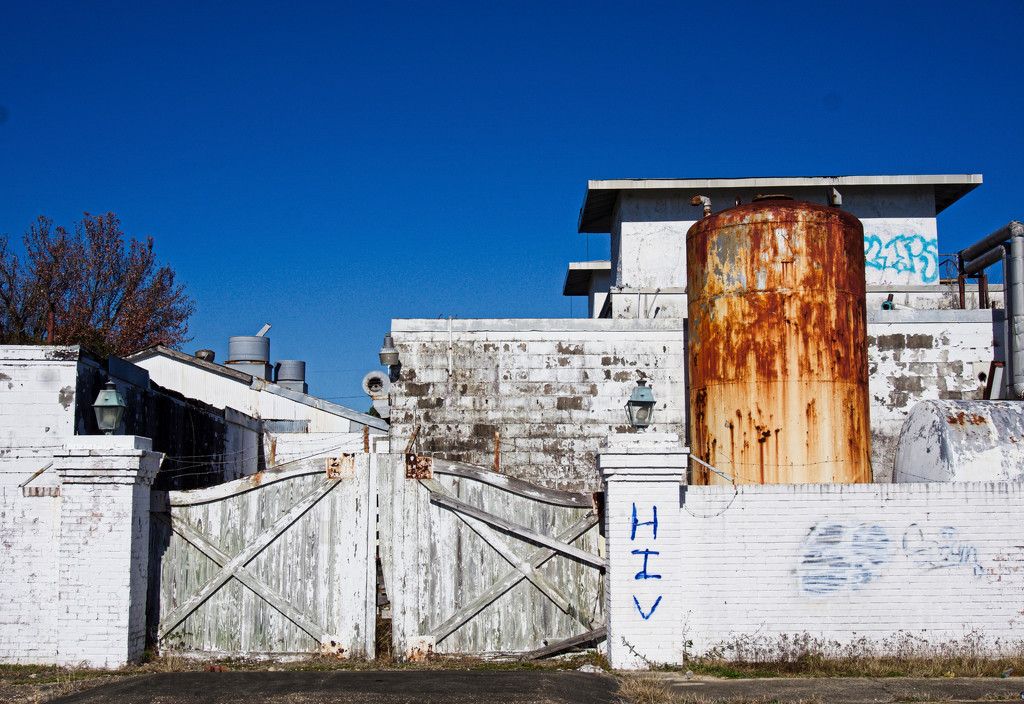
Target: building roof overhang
x,y
579,275
599,202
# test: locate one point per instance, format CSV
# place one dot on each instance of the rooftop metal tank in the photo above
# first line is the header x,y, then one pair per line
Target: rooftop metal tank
x,y
250,354
961,441
291,373
249,348
778,345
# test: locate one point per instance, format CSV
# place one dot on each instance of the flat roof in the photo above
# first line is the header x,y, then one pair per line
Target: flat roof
x,y
599,202
577,278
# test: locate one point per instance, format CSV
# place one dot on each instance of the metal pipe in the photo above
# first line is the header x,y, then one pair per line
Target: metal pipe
x,y
974,260
985,260
990,242
1015,295
1005,390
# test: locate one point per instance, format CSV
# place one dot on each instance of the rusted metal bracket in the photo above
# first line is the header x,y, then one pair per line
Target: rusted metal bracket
x,y
598,498
417,467
412,439
30,491
343,467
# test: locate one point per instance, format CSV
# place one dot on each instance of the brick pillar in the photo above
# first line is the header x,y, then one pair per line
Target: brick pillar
x,y
103,549
642,474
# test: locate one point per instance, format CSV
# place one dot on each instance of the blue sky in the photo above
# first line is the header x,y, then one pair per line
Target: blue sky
x,y
326,167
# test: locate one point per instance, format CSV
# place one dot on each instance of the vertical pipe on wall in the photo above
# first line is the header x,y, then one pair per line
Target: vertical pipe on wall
x,y
1007,385
973,260
1015,297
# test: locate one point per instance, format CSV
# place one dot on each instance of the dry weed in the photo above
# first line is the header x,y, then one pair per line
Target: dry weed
x,y
644,689
901,655
743,700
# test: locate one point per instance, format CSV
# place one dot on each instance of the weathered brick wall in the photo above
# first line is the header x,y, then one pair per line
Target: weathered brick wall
x,y
936,561
924,354
46,394
552,389
103,549
37,411
763,569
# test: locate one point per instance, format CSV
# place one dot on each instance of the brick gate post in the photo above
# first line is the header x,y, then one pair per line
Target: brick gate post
x,y
642,474
103,551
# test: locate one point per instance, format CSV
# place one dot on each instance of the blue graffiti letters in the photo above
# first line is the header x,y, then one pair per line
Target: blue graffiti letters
x,y
653,523
642,574
903,254
648,614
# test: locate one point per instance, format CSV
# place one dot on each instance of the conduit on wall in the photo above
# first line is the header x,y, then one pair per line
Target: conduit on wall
x,y
1006,243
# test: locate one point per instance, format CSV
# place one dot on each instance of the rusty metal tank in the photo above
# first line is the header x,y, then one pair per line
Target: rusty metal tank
x,y
778,345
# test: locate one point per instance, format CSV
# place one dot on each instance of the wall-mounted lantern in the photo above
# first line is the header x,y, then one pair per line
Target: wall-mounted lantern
x,y
389,353
109,408
640,406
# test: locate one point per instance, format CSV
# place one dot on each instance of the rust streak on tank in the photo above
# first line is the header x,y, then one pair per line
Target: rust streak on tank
x,y
962,418
778,352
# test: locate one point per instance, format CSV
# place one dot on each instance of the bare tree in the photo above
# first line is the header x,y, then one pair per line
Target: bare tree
x,y
88,288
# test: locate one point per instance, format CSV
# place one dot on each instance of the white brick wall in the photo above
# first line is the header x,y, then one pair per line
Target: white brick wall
x,y
842,562
37,407
37,411
104,549
28,576
836,563
75,566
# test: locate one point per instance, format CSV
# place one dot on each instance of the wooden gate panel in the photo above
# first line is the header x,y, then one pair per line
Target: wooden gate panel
x,y
281,562
459,567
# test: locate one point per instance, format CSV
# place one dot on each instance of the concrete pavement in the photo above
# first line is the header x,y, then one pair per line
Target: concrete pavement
x,y
847,690
522,687
362,687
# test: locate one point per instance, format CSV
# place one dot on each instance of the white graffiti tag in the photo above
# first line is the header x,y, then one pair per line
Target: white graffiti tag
x,y
839,558
938,548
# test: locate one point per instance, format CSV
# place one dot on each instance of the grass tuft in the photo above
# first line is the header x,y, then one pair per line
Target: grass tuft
x,y
644,689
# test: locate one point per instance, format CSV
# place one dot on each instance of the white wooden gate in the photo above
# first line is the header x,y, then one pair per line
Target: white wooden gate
x,y
279,562
478,562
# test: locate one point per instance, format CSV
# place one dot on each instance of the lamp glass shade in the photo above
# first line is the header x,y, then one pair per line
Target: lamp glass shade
x,y
388,352
109,408
640,407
